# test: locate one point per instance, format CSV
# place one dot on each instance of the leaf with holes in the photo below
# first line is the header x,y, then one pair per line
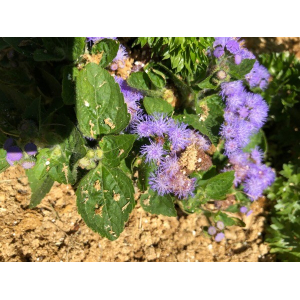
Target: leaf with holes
x,y
100,106
116,148
105,198
156,204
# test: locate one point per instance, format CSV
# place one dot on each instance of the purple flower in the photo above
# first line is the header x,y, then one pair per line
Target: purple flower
x,y
212,230
161,124
233,46
121,56
220,41
131,97
179,136
31,149
154,151
258,76
220,225
28,164
243,209
249,213
142,126
219,51
219,237
14,153
96,39
159,182
257,155
8,143
232,88
183,187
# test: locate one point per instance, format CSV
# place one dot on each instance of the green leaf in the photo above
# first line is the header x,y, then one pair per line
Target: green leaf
x,y
140,81
159,205
60,161
157,78
3,163
109,49
257,139
100,106
218,186
153,105
239,71
206,84
184,90
144,171
74,47
39,187
105,198
229,221
68,85
211,110
116,148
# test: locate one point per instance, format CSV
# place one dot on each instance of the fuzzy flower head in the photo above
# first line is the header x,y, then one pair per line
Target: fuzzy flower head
x,y
131,97
258,76
97,39
121,56
153,152
179,136
14,153
28,164
212,230
219,237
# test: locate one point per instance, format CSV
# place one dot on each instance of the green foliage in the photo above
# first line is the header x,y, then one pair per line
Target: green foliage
x,y
284,232
160,205
3,163
108,49
184,55
116,148
105,200
239,71
153,105
39,187
100,106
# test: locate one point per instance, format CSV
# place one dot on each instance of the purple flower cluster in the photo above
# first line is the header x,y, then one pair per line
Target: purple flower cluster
x,y
251,172
258,76
15,153
119,60
131,97
232,45
97,39
167,139
244,210
244,115
213,230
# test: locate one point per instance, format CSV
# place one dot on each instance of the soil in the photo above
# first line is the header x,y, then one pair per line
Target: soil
x,y
54,231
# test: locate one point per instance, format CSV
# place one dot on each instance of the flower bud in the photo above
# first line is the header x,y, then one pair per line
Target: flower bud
x,y
14,153
90,154
221,75
99,154
28,164
220,225
219,237
212,230
243,209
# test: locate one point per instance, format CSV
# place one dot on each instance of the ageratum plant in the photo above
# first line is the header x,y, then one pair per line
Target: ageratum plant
x,y
175,122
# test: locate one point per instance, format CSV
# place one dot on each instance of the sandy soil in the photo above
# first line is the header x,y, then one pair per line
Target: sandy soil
x,y
54,231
